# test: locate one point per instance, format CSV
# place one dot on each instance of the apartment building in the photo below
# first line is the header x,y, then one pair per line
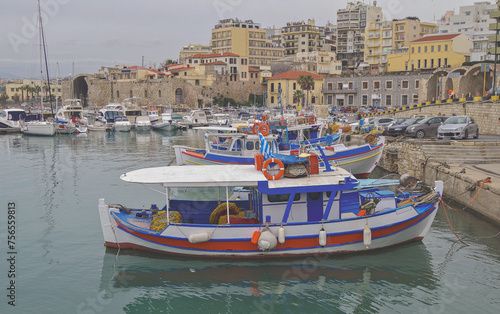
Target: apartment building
x,y
18,88
432,52
288,82
246,39
193,49
351,29
473,21
300,37
386,37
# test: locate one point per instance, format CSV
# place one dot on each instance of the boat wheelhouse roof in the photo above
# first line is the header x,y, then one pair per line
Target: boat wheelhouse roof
x,y
230,176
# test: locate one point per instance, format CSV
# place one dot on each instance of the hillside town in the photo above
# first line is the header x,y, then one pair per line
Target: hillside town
x,y
362,61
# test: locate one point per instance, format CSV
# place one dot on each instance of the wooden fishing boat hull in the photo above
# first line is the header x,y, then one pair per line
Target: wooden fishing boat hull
x,y
343,235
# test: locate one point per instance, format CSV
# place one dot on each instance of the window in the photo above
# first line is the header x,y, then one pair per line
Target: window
x,y
365,100
432,63
415,98
117,94
425,63
439,48
365,85
339,86
351,99
388,84
197,82
159,93
439,62
249,145
419,49
445,61
131,94
376,85
330,86
418,64
445,47
412,49
432,48
351,85
330,99
425,49
404,100
406,84
417,84
272,99
280,198
388,100
272,87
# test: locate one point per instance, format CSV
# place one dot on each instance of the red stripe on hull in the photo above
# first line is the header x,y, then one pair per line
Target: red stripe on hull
x,y
242,246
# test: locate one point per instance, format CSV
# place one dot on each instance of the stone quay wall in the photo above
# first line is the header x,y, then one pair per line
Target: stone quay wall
x,y
461,185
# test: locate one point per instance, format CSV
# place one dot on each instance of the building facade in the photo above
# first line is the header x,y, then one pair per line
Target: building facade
x,y
288,82
193,49
374,91
301,37
432,52
351,28
386,37
473,21
246,39
29,90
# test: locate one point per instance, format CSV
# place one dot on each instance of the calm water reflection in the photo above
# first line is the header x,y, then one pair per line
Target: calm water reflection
x,y
63,267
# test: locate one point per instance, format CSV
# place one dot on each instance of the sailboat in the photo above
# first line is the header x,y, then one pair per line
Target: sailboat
x,y
44,128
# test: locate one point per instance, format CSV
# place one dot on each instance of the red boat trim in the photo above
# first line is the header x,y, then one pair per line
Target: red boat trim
x,y
240,246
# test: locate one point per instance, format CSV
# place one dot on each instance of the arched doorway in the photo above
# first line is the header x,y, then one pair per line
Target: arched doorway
x,y
179,96
80,89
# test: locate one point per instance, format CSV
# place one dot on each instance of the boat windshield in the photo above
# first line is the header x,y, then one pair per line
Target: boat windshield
x,y
13,115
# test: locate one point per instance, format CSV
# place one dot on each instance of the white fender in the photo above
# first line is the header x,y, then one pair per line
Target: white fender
x,y
367,236
322,237
281,235
267,241
199,237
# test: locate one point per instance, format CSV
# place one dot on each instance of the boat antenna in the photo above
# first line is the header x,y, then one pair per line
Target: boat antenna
x,y
42,37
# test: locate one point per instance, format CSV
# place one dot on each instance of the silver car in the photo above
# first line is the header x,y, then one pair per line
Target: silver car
x,y
458,127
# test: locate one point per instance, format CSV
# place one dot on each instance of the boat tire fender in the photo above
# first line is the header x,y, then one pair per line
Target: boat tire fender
x,y
267,241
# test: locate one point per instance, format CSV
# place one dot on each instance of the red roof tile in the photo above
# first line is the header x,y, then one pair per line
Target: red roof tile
x,y
293,75
436,38
215,63
253,69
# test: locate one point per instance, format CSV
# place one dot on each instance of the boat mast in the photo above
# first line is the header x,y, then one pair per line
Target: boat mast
x,y
42,38
41,65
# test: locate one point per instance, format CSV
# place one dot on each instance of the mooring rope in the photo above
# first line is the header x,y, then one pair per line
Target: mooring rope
x,y
449,223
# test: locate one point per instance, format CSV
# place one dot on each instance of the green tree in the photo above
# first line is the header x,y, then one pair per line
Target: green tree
x,y
23,89
3,98
38,89
298,95
306,83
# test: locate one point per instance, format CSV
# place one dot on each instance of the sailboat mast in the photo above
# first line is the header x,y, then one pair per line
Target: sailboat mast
x,y
41,65
45,57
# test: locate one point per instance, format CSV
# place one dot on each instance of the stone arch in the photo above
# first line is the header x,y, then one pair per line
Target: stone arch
x,y
80,89
436,85
473,81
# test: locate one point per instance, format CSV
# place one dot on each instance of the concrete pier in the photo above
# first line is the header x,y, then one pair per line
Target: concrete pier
x,y
463,166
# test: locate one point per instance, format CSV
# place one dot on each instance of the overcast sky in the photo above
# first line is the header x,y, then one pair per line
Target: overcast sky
x,y
95,33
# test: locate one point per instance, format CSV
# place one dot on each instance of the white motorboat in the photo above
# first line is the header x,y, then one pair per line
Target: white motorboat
x,y
10,119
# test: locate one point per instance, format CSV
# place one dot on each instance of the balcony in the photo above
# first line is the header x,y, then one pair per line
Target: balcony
x,y
339,91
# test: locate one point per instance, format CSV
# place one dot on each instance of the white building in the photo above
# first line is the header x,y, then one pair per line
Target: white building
x,y
473,21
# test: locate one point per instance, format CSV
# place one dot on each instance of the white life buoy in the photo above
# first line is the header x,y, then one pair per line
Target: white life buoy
x,y
267,241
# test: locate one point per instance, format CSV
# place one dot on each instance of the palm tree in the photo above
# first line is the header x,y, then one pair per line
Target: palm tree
x,y
298,95
31,90
37,89
23,88
306,82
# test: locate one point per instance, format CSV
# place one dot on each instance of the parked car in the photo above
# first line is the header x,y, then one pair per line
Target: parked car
x,y
426,127
399,129
383,121
458,127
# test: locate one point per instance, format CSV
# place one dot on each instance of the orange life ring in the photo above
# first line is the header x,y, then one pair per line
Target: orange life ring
x,y
264,117
312,120
255,128
264,129
283,122
270,161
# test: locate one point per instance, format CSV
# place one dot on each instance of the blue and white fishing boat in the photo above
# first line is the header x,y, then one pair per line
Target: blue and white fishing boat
x,y
327,211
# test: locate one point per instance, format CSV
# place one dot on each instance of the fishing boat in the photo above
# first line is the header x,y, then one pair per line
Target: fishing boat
x,y
194,119
260,211
240,148
122,124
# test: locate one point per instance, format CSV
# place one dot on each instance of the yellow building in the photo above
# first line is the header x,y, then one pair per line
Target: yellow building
x,y
386,37
298,37
17,88
432,52
289,84
193,49
246,39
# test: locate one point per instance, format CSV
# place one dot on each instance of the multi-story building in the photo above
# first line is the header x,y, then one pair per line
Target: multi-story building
x,y
473,21
226,66
18,88
288,82
246,39
384,37
193,49
300,36
351,25
320,62
431,52
374,91
330,37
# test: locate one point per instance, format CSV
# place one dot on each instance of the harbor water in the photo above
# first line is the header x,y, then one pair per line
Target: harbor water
x,y
51,186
